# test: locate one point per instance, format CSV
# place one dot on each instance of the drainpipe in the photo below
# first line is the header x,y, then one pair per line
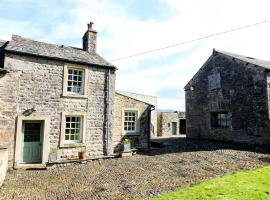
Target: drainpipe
x,y
107,112
149,135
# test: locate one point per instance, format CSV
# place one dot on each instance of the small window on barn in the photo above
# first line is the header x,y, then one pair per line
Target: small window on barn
x,y
220,120
214,81
130,121
169,124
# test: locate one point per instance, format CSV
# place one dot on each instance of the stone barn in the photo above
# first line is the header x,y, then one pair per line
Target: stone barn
x,y
55,99
228,100
134,119
172,124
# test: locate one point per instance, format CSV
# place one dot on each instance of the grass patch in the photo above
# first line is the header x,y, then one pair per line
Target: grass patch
x,y
252,185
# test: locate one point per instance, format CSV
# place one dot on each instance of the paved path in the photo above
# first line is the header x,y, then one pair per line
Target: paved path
x,y
137,177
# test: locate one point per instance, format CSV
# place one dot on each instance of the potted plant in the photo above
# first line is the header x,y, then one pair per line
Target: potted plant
x,y
126,145
53,156
82,153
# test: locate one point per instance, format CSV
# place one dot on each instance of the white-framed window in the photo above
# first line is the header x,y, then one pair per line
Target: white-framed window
x,y
75,81
73,129
130,121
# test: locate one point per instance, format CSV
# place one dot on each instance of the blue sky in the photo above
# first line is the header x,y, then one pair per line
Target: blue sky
x,y
132,26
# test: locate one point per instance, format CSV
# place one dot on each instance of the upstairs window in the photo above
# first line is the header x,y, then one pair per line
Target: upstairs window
x,y
220,120
75,81
214,81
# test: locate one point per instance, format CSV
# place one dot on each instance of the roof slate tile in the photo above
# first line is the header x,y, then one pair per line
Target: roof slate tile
x,y
23,45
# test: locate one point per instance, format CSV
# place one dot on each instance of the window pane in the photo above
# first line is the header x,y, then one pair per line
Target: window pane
x,y
220,120
73,131
75,78
130,121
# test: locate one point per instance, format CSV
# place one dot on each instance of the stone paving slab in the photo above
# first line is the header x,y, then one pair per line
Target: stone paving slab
x,y
137,177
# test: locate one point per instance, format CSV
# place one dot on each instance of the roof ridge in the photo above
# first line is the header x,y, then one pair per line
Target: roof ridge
x,y
22,45
135,93
244,58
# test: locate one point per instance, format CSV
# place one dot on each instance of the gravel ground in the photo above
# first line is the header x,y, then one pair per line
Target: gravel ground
x,y
138,177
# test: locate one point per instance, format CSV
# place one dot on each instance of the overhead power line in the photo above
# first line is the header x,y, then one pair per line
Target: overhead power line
x,y
193,40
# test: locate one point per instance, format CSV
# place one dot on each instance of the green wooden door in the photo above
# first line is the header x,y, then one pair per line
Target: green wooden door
x,y
174,128
32,133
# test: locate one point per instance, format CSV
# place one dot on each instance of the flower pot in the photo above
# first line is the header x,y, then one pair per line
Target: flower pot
x,y
127,147
82,155
53,157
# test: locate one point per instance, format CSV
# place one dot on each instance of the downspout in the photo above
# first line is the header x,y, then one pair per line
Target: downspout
x,y
150,116
107,112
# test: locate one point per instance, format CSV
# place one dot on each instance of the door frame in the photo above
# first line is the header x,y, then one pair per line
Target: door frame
x,y
174,123
41,130
18,140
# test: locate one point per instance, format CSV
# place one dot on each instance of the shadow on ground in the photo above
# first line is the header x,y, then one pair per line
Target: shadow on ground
x,y
175,145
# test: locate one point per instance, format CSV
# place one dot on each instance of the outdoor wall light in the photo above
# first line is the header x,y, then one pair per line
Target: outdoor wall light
x,y
29,111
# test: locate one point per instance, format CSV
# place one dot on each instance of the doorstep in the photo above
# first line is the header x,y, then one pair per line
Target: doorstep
x,y
33,166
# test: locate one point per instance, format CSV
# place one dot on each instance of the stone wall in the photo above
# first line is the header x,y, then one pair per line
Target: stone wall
x,y
123,102
37,83
150,100
166,119
238,88
3,164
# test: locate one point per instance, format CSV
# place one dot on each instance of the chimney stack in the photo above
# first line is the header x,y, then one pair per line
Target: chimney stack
x,y
90,39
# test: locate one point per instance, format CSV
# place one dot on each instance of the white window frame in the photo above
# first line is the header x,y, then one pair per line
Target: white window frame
x,y
70,143
83,93
80,129
137,122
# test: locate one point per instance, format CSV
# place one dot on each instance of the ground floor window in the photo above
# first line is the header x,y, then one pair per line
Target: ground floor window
x,y
130,121
220,120
73,129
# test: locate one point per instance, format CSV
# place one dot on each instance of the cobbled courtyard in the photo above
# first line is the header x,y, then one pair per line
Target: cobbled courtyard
x,y
141,176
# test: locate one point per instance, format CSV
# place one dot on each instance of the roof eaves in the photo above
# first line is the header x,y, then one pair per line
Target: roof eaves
x,y
60,59
133,98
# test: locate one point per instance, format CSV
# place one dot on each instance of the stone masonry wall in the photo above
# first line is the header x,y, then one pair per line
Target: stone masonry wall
x,y
150,100
122,102
241,91
166,122
36,82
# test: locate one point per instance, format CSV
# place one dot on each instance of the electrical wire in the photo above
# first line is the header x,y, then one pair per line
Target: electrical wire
x,y
190,41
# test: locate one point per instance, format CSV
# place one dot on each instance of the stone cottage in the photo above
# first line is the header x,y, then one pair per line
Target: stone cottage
x,y
228,100
55,98
134,118
172,124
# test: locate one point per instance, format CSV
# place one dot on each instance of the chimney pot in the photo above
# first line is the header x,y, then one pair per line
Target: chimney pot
x,y
90,26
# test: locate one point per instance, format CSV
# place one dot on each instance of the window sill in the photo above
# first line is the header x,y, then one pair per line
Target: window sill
x,y
78,96
132,133
68,145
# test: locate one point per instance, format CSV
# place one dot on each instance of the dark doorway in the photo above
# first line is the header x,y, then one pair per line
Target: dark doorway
x,y
182,126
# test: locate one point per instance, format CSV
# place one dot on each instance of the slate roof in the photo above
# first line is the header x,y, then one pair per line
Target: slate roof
x,y
254,61
27,46
2,42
